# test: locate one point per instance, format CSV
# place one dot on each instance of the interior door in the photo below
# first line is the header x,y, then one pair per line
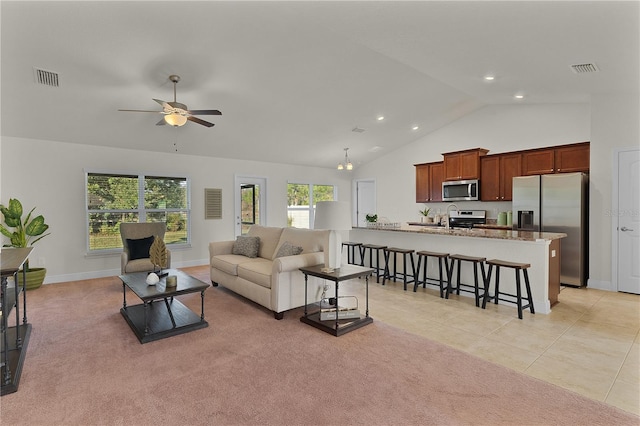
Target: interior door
x,y
627,230
365,200
250,203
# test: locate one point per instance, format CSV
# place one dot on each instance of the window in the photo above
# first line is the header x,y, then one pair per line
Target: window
x,y
116,198
302,200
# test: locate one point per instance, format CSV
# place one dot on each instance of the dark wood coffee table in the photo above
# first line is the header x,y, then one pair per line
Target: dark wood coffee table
x,y
153,321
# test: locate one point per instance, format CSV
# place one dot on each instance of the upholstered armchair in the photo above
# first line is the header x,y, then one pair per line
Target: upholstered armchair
x,y
136,241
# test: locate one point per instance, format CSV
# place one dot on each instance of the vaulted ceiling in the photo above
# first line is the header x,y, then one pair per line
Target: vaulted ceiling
x,y
293,79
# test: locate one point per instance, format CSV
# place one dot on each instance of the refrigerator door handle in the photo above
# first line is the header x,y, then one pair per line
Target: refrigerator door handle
x,y
625,229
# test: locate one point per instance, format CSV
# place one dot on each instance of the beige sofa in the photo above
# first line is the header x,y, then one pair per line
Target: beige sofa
x,y
273,282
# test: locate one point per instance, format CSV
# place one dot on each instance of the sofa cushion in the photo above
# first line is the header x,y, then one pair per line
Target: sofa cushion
x,y
229,262
246,246
288,249
311,240
139,248
257,271
269,238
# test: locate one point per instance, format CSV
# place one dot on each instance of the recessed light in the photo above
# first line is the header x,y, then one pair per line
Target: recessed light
x,y
519,96
380,117
489,77
415,128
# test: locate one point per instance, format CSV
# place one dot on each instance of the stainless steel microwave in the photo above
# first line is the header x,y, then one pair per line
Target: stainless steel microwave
x,y
460,190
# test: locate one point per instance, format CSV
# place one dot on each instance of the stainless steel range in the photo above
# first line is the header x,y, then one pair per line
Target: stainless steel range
x,y
467,218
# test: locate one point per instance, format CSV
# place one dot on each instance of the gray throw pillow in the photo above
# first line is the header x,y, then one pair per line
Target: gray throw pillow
x,y
288,249
246,246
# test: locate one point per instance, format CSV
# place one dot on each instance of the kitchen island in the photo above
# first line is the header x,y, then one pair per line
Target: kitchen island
x,y
540,249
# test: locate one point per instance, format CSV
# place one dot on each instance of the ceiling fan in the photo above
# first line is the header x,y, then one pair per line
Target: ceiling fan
x,y
177,114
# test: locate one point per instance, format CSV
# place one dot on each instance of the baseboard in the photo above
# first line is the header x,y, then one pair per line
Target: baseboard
x,y
601,285
52,279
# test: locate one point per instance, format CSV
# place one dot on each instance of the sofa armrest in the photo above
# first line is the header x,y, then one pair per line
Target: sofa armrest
x,y
293,263
220,247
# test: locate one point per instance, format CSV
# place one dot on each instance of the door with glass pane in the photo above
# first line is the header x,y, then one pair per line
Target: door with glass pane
x,y
250,203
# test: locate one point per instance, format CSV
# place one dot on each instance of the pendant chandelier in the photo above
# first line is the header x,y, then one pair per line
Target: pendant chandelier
x,y
347,164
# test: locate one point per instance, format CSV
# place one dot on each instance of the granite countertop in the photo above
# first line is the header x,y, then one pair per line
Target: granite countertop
x,y
502,234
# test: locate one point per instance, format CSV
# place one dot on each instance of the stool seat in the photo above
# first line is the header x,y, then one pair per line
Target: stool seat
x,y
376,266
468,258
432,253
476,260
424,254
517,267
407,276
506,264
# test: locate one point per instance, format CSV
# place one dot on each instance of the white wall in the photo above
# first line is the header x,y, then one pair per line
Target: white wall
x,y
50,176
615,124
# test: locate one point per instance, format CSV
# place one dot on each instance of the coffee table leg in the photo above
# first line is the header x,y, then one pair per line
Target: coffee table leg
x,y
146,316
202,305
124,295
173,321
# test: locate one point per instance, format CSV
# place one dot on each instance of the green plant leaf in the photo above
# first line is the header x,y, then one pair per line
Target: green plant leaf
x,y
36,226
15,208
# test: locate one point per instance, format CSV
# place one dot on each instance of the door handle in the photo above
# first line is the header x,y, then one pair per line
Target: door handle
x,y
625,229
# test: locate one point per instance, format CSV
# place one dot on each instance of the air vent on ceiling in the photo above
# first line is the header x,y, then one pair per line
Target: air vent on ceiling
x,y
583,68
357,129
48,78
213,203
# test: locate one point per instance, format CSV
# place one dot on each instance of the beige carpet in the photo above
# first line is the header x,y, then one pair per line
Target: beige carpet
x,y
84,366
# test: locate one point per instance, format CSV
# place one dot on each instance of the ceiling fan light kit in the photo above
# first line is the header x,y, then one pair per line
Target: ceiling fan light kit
x,y
177,114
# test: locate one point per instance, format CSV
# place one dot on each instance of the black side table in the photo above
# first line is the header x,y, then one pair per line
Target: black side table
x,y
337,326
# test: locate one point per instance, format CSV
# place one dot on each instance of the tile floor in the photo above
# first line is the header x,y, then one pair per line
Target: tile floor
x,y
589,343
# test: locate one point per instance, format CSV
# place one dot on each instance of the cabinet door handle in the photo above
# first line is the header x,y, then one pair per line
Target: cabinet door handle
x,y
625,229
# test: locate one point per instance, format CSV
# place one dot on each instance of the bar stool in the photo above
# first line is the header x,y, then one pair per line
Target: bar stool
x,y
476,285
407,276
351,251
517,267
376,266
424,255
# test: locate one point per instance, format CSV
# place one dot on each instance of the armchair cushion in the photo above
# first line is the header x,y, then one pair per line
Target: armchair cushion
x,y
139,248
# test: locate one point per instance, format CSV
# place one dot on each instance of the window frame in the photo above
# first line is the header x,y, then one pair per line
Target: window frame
x,y
140,210
312,203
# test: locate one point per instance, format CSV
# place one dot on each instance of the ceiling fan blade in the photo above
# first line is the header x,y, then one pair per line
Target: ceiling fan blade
x,y
140,110
161,122
205,112
163,103
199,121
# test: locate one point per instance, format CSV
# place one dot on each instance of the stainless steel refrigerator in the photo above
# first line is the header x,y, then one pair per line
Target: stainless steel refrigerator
x,y
557,203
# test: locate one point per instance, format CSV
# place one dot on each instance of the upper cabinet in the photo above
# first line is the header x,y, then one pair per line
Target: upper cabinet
x,y
429,182
463,164
496,176
562,159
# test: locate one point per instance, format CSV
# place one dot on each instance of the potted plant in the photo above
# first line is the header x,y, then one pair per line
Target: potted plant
x,y
425,214
24,233
371,219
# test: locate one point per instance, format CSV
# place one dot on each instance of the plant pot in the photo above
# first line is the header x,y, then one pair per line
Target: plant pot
x,y
35,278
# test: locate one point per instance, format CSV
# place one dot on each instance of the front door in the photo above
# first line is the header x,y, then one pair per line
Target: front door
x,y
250,203
627,213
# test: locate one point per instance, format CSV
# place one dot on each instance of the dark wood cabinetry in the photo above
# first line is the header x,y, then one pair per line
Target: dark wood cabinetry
x,y
463,164
429,182
496,176
496,172
562,159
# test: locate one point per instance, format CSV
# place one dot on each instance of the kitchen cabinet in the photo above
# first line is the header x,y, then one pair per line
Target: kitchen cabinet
x,y
496,176
560,159
462,165
574,158
429,182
